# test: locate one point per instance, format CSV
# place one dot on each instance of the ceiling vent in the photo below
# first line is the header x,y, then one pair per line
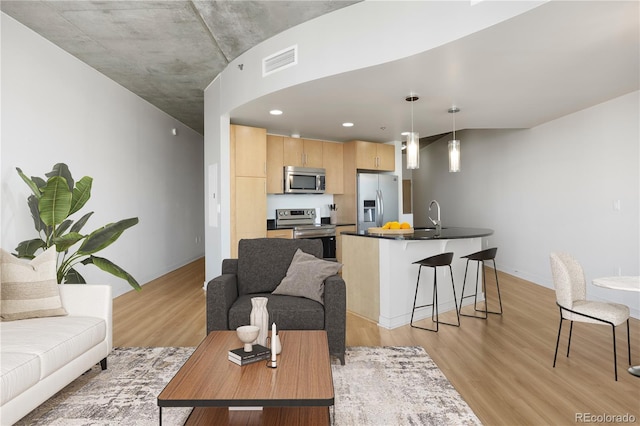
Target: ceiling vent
x,y
280,60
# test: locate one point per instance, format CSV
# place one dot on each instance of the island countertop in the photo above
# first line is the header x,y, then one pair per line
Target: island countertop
x,y
446,233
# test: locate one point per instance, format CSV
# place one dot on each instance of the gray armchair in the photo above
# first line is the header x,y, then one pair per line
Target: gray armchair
x,y
262,263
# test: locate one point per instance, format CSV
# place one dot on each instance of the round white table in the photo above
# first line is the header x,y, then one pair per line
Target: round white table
x,y
626,284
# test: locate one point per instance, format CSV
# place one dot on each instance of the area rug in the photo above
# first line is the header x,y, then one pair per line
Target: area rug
x,y
383,386
395,386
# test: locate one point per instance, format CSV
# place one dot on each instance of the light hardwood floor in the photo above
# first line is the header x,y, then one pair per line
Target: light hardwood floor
x,y
502,366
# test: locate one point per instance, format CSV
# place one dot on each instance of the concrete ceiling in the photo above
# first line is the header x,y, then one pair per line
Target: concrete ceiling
x,y
166,52
556,59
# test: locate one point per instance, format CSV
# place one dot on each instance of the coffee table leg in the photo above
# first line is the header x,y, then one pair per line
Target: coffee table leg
x,y
160,417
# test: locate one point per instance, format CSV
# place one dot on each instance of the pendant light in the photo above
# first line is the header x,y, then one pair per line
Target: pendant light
x,y
454,145
413,140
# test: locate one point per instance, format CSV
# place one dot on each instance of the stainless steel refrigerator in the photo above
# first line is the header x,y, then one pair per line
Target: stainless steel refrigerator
x,y
377,200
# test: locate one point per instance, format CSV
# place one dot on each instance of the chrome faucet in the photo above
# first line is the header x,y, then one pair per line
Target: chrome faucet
x,y
437,223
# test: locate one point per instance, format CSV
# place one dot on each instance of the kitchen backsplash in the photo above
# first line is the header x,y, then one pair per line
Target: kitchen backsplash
x,y
320,202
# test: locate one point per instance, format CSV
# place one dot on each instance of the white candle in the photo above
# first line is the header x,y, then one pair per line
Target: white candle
x,y
273,342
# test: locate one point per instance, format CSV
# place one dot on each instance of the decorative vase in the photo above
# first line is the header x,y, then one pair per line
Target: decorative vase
x,y
260,318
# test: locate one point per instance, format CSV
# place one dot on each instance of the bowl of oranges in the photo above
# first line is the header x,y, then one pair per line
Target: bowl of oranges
x,y
392,228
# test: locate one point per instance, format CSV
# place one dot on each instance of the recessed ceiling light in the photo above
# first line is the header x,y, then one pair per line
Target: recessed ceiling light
x,y
404,133
275,112
347,124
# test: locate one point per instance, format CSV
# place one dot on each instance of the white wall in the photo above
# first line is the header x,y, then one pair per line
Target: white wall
x,y
217,197
548,188
55,109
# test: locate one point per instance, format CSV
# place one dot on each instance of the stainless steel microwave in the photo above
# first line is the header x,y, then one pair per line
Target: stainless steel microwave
x,y
303,180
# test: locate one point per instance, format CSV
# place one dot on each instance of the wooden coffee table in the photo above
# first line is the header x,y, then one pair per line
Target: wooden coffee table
x,y
299,391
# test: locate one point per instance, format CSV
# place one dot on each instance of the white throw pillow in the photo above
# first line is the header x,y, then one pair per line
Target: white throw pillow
x,y
305,276
29,289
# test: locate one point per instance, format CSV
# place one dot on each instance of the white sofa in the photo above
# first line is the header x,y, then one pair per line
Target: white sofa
x,y
40,356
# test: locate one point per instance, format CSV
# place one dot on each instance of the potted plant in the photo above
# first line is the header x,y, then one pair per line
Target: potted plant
x,y
53,201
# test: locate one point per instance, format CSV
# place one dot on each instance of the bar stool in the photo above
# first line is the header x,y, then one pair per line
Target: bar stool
x,y
481,257
443,259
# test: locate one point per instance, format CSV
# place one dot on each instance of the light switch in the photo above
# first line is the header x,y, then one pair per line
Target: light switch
x,y
616,205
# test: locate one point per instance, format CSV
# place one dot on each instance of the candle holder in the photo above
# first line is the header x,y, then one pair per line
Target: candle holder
x,y
274,340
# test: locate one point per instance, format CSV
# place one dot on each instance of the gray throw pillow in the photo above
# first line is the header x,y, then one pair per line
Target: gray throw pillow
x,y
306,275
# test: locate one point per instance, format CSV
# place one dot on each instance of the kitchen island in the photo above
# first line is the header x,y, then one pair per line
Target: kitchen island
x,y
381,277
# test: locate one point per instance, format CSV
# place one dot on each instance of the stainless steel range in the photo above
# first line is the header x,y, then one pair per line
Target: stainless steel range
x,y
303,223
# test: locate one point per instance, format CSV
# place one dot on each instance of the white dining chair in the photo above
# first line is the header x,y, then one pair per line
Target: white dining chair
x,y
571,298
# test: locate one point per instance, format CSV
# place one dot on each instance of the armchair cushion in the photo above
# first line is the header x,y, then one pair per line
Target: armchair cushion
x,y
289,313
305,277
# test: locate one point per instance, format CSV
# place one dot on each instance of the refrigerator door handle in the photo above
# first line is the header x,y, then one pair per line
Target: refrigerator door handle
x,y
381,210
378,208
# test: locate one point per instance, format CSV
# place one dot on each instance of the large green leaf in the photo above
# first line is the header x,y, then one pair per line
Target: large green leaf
x,y
62,170
81,222
55,202
62,228
33,202
110,267
64,242
81,194
30,183
105,236
28,248
73,277
39,181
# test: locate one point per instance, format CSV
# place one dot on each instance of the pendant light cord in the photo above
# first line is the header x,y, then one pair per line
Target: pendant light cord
x,y
454,126
412,115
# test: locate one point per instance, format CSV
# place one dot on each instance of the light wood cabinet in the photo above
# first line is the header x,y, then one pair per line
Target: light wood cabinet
x,y
374,156
386,157
251,216
248,152
302,152
284,151
332,154
280,233
275,164
339,231
360,155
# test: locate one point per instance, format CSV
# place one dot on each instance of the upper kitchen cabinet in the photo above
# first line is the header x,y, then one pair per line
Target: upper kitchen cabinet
x,y
275,164
250,151
374,156
365,156
332,154
302,152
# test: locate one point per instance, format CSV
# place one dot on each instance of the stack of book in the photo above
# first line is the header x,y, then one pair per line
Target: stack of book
x,y
240,357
